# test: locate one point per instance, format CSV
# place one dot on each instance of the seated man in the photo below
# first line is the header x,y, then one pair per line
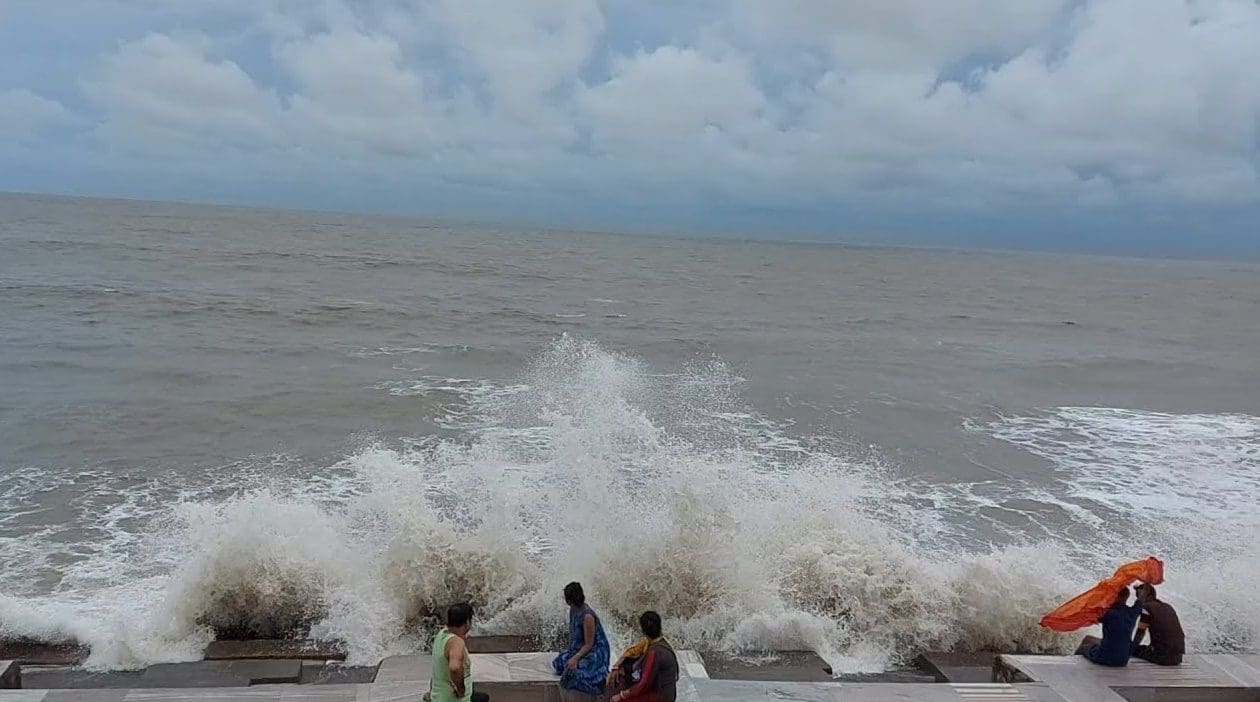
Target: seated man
x,y
1117,639
1168,641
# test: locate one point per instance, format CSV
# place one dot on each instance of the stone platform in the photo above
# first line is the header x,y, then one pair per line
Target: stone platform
x,y
1200,678
507,677
747,691
10,675
783,666
689,690
527,677
520,668
272,648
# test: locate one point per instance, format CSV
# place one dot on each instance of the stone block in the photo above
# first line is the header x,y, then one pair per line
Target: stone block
x,y
273,648
22,695
764,691
390,692
1188,694
267,672
320,693
37,653
785,666
230,673
1199,677
502,644
69,678
221,694
531,666
189,675
958,667
493,667
405,669
486,667
10,675
909,677
320,673
86,695
1243,668
1005,671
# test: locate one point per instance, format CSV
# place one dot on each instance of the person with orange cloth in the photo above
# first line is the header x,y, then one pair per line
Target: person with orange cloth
x,y
1118,623
1107,603
1086,609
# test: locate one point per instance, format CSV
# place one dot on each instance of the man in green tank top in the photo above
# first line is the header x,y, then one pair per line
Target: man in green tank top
x,y
451,679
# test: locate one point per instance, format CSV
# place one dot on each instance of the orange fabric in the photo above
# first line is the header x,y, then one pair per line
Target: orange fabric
x,y
1086,608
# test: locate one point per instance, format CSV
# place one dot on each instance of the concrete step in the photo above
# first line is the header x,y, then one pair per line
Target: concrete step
x,y
320,673
765,691
222,673
273,648
62,677
797,666
37,653
958,667
1210,678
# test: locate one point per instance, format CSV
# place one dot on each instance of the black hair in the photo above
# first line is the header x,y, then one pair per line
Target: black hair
x,y
650,623
1147,588
458,615
573,594
1123,595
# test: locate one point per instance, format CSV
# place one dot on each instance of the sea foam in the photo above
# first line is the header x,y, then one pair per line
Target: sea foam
x,y
656,490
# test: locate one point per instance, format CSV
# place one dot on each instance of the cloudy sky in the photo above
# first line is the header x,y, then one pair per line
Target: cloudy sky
x,y
1100,125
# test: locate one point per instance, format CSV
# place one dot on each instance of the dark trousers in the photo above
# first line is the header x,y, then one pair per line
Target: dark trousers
x,y
1147,653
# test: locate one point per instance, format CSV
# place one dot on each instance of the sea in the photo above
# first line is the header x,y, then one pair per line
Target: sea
x,y
274,423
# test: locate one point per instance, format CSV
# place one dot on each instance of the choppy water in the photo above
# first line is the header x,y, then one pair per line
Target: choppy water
x,y
257,420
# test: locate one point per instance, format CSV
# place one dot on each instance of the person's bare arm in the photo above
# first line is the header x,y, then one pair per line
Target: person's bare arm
x,y
588,641
646,681
1144,623
638,649
456,659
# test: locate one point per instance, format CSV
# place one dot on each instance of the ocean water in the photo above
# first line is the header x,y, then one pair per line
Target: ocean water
x,y
266,422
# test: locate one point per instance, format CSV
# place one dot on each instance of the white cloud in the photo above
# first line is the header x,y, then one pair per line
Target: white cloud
x,y
890,34
355,86
170,84
672,94
23,113
978,102
523,49
1141,102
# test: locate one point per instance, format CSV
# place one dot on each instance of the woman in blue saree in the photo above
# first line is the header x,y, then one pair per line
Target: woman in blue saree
x,y
584,666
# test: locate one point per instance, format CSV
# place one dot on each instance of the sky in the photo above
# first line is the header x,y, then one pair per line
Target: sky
x,y
1116,126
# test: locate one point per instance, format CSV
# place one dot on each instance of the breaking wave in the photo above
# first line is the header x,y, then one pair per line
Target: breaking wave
x,y
656,490
1183,486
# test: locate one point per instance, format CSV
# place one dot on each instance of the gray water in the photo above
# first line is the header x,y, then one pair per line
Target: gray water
x,y
170,346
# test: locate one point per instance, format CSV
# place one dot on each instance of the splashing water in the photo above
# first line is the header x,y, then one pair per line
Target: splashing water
x,y
657,491
1180,485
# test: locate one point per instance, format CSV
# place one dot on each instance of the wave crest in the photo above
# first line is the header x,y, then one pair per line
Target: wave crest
x,y
656,490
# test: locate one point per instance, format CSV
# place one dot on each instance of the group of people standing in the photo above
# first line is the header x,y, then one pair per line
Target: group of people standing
x,y
645,672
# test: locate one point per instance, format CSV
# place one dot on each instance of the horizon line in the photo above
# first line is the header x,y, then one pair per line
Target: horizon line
x,y
677,234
